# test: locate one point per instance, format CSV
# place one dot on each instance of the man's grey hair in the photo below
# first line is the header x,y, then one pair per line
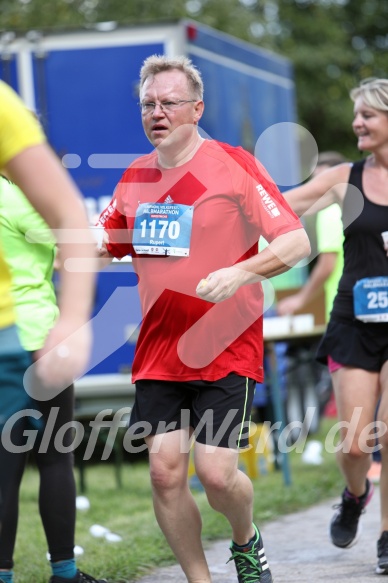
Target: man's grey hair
x,y
160,63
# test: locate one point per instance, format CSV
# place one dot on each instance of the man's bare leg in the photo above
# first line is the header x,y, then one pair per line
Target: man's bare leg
x,y
175,509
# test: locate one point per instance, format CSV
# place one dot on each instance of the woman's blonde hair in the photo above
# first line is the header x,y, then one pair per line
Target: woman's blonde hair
x,y
374,93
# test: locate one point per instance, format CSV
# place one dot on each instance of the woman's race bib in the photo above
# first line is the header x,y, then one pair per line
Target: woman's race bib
x,y
163,229
370,299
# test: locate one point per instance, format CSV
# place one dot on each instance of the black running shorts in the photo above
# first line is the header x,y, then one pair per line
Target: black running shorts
x,y
218,411
355,344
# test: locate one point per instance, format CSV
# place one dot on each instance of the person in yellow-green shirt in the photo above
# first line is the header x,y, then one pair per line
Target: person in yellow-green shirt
x,y
31,268
64,351
30,163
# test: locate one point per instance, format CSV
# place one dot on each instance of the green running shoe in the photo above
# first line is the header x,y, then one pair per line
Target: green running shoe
x,y
251,562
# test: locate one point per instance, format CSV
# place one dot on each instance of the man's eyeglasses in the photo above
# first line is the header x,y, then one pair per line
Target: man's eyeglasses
x,y
149,106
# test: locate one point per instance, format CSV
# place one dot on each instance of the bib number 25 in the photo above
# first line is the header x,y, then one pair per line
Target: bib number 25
x,y
377,299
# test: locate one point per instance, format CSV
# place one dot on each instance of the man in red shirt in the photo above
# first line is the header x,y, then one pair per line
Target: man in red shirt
x,y
191,214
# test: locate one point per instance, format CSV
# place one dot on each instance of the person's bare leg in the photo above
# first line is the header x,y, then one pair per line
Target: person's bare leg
x,y
175,509
356,393
383,440
228,490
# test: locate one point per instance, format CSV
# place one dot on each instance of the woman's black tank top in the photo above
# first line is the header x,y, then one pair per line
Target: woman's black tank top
x,y
364,253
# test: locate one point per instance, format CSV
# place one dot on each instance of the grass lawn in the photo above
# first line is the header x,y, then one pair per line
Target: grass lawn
x,y
129,513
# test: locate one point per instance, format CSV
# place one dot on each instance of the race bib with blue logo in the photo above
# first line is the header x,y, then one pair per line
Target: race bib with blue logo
x,y
370,299
163,229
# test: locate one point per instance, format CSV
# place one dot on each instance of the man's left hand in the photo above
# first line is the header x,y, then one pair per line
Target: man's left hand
x,y
222,284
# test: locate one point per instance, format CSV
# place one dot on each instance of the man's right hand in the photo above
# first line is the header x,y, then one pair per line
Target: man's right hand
x,y
105,258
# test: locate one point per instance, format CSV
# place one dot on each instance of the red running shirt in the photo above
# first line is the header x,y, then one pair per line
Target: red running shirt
x,y
183,337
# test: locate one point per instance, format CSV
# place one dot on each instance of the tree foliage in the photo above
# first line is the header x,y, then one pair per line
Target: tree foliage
x,y
333,44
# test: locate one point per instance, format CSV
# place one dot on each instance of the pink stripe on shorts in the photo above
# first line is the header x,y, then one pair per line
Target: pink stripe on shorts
x,y
333,365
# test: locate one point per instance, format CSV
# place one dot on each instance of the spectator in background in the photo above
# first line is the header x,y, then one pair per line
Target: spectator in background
x,y
31,268
355,345
325,276
328,267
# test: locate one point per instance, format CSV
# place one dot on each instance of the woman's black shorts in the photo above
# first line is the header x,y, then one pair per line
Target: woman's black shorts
x,y
356,344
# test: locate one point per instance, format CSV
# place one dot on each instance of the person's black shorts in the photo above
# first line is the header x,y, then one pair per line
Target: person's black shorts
x,y
218,411
356,344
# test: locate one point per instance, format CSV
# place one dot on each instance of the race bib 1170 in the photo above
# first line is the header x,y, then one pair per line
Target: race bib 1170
x,y
163,229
